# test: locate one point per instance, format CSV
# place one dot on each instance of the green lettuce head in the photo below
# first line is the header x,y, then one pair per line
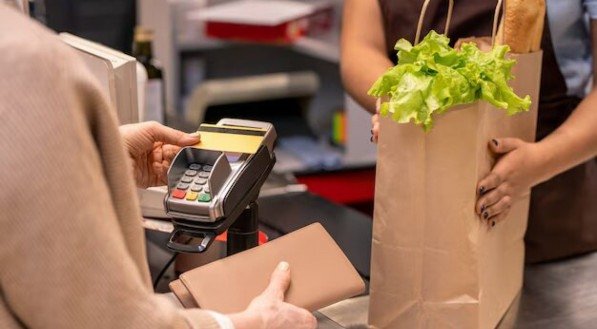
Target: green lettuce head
x,y
432,77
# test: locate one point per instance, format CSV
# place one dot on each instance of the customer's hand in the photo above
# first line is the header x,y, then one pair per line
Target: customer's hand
x,y
269,311
152,146
516,171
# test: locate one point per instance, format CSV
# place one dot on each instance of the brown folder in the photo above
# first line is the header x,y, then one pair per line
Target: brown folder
x,y
182,293
321,274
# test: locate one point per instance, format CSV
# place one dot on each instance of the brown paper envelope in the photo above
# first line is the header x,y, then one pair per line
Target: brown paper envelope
x,y
182,293
321,273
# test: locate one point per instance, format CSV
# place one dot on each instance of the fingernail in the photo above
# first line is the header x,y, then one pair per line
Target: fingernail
x,y
486,215
283,266
492,223
371,131
481,189
371,139
495,142
482,208
195,134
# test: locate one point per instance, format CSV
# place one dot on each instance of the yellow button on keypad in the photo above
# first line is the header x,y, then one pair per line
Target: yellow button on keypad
x,y
192,196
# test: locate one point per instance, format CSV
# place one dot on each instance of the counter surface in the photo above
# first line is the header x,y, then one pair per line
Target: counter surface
x,y
557,295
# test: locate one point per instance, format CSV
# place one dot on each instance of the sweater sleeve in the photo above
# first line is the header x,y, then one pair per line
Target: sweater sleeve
x,y
65,259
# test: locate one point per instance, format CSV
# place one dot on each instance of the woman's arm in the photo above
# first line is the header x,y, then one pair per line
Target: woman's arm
x,y
574,142
524,165
68,260
363,50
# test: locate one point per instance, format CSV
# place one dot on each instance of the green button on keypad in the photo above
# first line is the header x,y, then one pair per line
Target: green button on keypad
x,y
204,197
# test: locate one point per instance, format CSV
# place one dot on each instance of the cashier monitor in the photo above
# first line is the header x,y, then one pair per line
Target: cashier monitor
x,y
211,183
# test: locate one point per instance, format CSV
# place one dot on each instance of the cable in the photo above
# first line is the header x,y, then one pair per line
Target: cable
x,y
168,264
159,277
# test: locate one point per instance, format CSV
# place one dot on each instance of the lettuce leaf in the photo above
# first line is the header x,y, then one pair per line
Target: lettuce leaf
x,y
432,77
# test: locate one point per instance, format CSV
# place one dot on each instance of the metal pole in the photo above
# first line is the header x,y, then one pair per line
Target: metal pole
x,y
244,233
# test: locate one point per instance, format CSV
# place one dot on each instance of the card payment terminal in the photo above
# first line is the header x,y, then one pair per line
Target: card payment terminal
x,y
210,184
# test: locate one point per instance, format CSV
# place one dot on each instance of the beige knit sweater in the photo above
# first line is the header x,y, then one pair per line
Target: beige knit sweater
x,y
72,251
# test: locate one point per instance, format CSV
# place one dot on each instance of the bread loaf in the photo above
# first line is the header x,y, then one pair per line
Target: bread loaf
x,y
521,26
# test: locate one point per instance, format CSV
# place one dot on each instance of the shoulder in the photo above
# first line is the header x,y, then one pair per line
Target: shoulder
x,y
35,61
27,47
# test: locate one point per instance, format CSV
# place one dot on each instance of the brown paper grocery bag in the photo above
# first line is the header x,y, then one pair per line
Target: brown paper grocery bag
x,y
435,263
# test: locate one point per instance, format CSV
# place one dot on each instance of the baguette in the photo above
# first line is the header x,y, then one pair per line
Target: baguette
x,y
521,26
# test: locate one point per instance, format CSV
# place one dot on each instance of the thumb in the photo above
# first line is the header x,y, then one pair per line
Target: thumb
x,y
377,105
504,145
161,133
279,282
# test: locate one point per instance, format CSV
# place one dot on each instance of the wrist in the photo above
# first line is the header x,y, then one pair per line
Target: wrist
x,y
544,162
247,320
225,322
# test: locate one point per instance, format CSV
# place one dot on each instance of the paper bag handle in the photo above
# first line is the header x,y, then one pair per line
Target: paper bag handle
x,y
422,17
496,18
494,30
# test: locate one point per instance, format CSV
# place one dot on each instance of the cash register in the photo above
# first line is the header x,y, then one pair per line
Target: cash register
x,y
213,186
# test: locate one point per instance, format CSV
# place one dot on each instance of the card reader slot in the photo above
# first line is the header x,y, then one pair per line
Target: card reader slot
x,y
206,240
229,130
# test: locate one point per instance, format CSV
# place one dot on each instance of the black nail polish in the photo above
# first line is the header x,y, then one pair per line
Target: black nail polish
x,y
492,223
486,215
371,131
481,190
482,208
495,142
371,139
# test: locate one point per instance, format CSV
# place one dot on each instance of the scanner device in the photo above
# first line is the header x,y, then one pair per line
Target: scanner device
x,y
213,183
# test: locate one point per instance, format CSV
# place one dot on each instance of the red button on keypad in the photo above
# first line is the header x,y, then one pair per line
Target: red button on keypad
x,y
179,194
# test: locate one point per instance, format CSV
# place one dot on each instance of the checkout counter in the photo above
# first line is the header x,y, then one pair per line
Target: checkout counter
x,y
556,295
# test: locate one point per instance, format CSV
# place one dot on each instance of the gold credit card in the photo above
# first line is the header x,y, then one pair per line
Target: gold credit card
x,y
234,139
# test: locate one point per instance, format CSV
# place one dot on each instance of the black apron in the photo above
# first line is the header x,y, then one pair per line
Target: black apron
x,y
563,213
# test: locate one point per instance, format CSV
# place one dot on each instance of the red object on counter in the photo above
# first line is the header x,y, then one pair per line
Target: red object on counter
x,y
281,21
344,187
263,238
284,33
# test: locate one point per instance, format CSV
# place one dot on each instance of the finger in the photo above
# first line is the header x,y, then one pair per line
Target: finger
x,y
489,183
493,221
374,119
504,145
169,152
279,281
378,105
161,133
487,200
158,175
375,131
501,207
